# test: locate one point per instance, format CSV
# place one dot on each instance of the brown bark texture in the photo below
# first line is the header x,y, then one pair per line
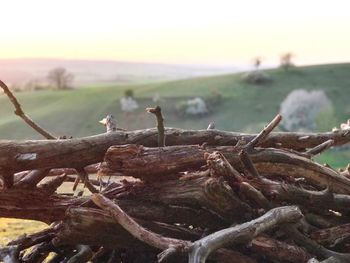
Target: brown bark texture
x,y
172,195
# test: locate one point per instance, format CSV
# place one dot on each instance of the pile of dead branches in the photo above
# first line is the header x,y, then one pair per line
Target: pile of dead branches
x,y
190,196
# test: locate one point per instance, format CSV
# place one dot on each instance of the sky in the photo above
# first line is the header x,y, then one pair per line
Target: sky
x,y
219,32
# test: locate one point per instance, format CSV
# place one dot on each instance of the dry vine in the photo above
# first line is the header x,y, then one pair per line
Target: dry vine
x,y
208,195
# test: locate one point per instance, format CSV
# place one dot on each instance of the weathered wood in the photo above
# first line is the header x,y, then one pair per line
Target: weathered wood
x,y
103,231
32,178
202,248
156,163
313,247
34,154
137,231
142,234
278,191
332,236
203,198
35,204
212,194
157,111
279,251
26,241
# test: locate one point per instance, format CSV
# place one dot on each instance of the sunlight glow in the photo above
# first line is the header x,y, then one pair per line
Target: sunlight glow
x,y
208,32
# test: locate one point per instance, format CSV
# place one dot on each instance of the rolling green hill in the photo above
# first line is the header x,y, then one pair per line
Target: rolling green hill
x,y
244,107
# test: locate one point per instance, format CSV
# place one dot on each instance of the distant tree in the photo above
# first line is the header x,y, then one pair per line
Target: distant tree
x,y
303,110
129,93
60,78
128,102
256,76
286,61
257,62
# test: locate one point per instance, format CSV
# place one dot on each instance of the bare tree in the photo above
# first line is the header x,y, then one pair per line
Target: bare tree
x,y
257,62
286,60
60,78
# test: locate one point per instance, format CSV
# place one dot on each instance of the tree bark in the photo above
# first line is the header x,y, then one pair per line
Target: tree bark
x,y
28,155
156,163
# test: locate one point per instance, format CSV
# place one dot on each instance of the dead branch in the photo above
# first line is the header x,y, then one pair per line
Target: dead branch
x,y
250,192
32,178
314,247
160,124
84,177
332,236
202,248
51,186
142,234
219,166
153,163
19,112
261,137
320,148
289,193
186,200
248,164
279,251
26,241
90,150
170,246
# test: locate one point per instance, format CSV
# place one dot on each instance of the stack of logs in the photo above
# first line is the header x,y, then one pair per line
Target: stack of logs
x,y
207,196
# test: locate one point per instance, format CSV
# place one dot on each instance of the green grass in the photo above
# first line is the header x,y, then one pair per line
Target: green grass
x,y
245,107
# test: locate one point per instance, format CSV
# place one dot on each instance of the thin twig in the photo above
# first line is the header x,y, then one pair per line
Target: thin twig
x,y
139,232
9,179
19,112
84,177
220,166
254,194
247,189
264,133
157,111
248,164
320,148
32,178
51,186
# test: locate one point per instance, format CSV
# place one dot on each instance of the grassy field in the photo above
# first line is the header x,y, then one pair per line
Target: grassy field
x,y
244,107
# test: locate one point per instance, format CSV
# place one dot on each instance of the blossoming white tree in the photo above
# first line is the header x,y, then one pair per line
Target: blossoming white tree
x,y
301,107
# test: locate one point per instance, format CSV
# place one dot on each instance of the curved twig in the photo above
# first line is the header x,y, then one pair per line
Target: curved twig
x,y
320,148
157,111
19,112
201,249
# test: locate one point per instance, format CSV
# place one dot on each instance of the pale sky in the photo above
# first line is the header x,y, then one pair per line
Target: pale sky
x,y
177,31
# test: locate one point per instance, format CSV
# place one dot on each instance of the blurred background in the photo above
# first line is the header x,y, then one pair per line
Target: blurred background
x,y
235,63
